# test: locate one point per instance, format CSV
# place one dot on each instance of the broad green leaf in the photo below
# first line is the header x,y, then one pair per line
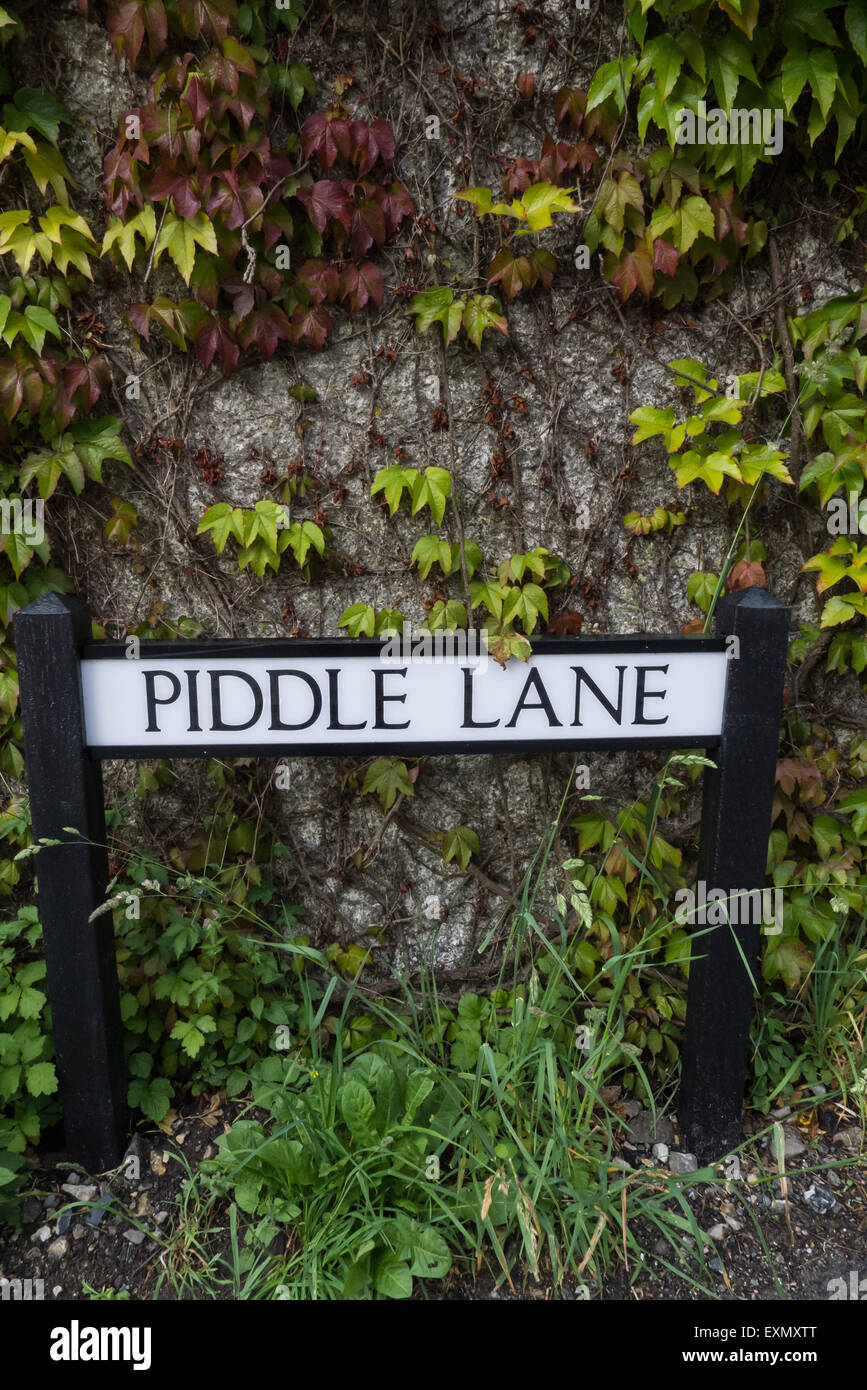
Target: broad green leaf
x,y
431,550
392,481
123,234
47,166
700,589
359,619
481,313
540,200
41,1079
31,108
386,778
180,237
728,60
856,27
97,440
611,79
391,1277
695,216
438,304
358,1109
223,521
460,844
431,489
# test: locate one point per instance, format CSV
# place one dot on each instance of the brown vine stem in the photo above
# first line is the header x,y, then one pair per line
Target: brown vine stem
x,y
150,264
788,360
459,525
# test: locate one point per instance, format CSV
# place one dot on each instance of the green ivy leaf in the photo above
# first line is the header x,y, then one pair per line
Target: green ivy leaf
x,y
41,1079
611,79
431,550
856,28
814,66
481,313
181,235
438,305
31,108
359,619
385,778
460,844
701,587
224,521
432,490
392,481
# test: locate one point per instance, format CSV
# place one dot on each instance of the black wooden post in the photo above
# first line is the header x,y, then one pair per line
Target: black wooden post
x,y
66,791
735,828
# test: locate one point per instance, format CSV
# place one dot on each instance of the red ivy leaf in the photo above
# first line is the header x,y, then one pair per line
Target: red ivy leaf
x,y
514,273
665,256
566,624
177,184
212,336
84,382
362,156
543,265
225,199
586,156
242,296
635,272
526,85
321,281
325,199
313,323
127,23
242,109
313,134
367,227
175,74
121,183
338,142
361,284
725,218
21,383
207,16
140,318
558,159
265,327
396,204
520,174
745,574
328,140
571,103
195,99
220,72
381,141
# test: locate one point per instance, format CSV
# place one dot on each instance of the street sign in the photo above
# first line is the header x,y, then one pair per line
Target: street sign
x,y
83,701
323,697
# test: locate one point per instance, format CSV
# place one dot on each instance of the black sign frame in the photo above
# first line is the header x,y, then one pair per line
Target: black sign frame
x,y
53,633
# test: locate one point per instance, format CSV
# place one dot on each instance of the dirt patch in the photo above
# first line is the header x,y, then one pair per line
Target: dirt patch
x,y
132,1230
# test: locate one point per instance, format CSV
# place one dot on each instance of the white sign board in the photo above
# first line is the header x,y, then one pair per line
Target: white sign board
x,y
324,697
